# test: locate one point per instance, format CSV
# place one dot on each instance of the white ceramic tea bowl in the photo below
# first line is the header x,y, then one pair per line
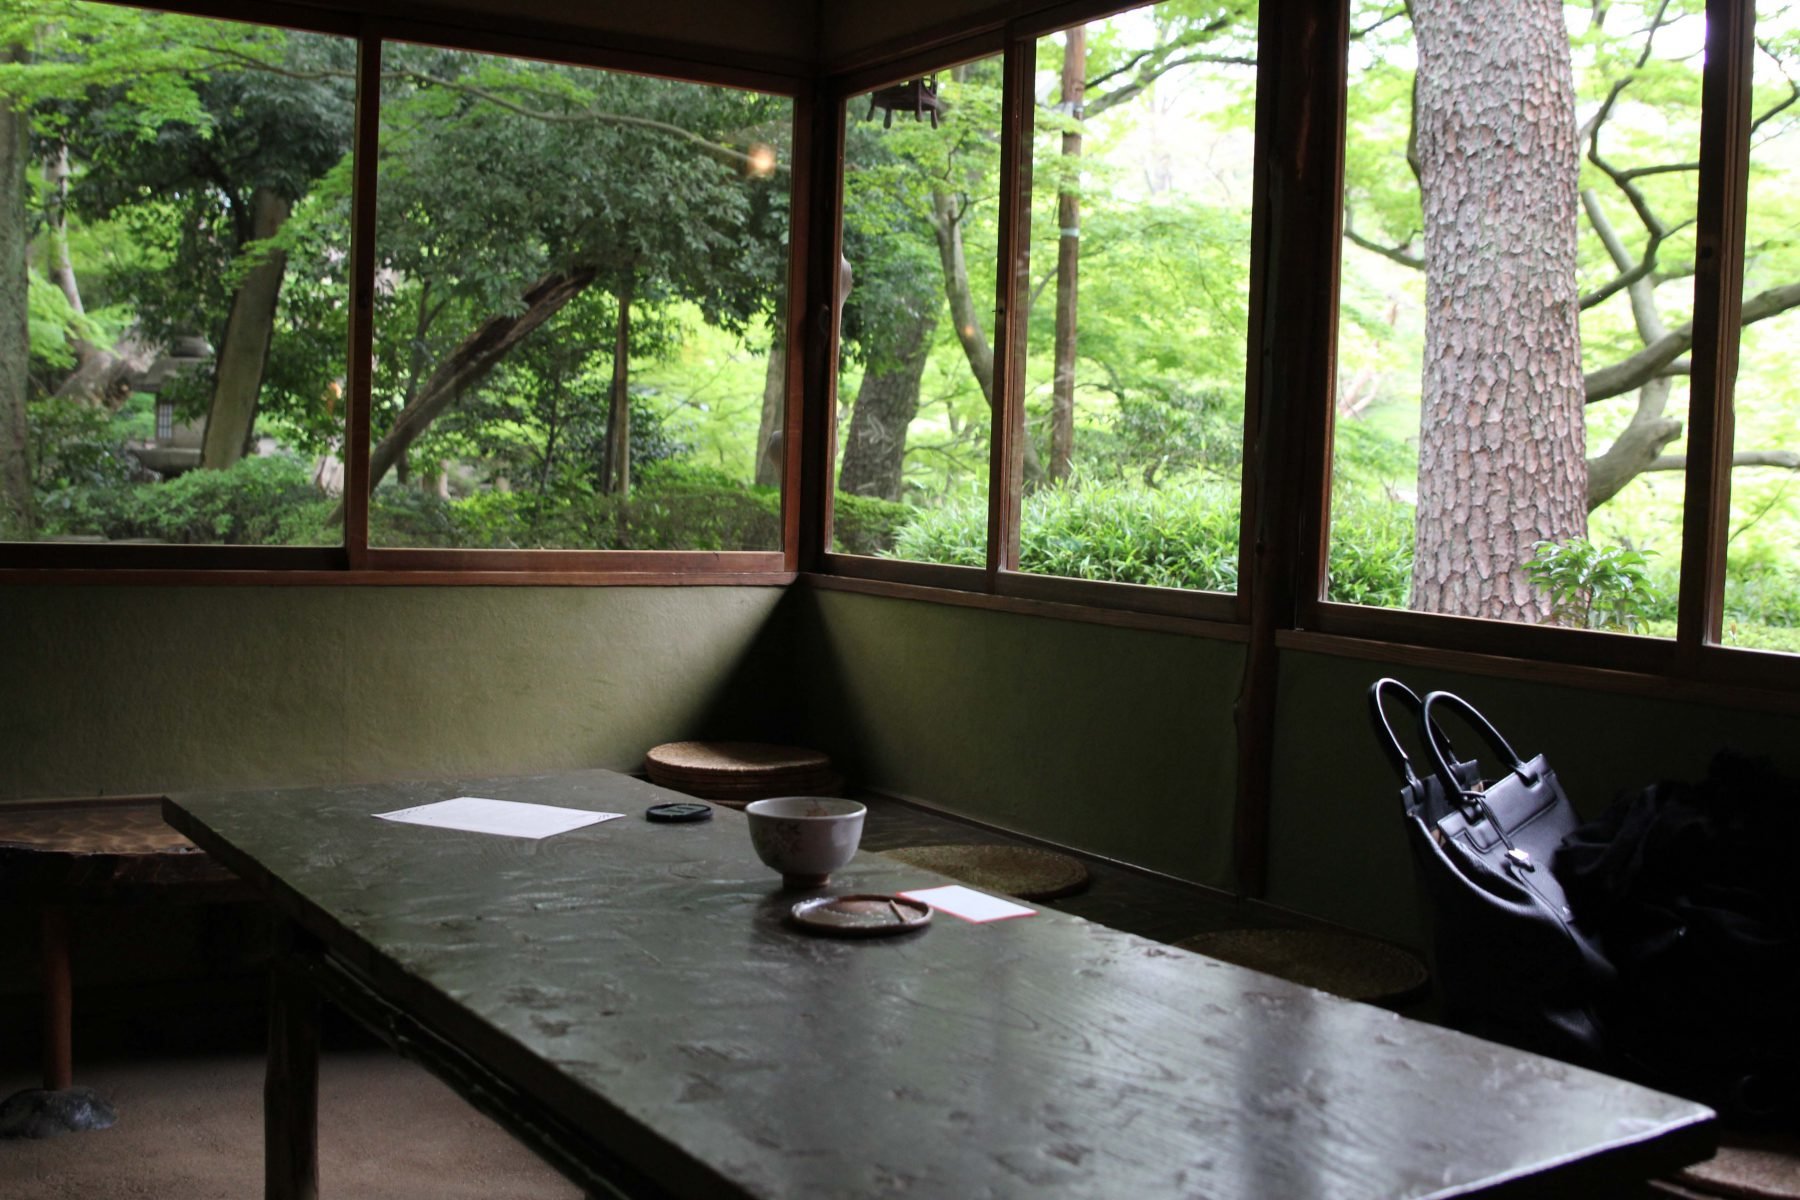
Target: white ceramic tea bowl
x,y
805,838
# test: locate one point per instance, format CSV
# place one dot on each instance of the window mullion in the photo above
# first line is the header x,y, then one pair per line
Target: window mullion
x,y
1007,460
823,300
1718,302
360,361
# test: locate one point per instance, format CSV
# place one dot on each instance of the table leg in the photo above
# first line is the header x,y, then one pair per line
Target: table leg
x,y
291,1087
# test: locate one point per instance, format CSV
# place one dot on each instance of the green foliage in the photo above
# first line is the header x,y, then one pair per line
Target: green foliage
x,y
1181,537
954,534
1174,537
272,500
498,173
53,323
1592,587
1370,556
1160,374
75,445
149,61
674,513
866,524
259,501
272,113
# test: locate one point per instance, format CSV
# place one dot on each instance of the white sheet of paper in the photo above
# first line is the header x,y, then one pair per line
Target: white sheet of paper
x,y
969,904
506,817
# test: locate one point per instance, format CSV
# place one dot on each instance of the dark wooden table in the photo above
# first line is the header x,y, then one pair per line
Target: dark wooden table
x,y
628,999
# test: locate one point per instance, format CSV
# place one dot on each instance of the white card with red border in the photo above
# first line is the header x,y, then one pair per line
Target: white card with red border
x,y
969,904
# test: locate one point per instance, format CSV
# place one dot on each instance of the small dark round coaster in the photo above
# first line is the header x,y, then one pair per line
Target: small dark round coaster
x,y
678,813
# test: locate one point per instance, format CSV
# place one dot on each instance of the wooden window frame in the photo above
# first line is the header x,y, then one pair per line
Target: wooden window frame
x,y
1694,659
354,559
999,580
1296,236
1296,246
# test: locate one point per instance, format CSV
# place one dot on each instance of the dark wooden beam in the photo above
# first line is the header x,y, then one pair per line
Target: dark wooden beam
x,y
1718,301
361,348
817,328
1297,188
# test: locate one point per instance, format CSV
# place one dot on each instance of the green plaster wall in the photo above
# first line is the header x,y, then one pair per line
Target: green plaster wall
x,y
1338,849
147,689
134,689
1121,742
1117,741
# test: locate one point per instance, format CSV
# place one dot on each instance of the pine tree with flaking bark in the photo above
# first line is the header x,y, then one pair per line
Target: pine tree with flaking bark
x,y
1635,214
1501,437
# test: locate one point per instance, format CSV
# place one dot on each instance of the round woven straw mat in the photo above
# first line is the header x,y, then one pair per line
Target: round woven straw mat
x,y
737,797
1022,871
710,760
1749,1166
750,784
1356,968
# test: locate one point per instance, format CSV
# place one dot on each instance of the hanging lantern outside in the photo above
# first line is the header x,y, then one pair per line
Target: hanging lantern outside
x,y
917,96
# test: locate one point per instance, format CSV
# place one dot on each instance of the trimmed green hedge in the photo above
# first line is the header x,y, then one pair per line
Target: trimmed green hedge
x,y
272,501
1179,536
258,502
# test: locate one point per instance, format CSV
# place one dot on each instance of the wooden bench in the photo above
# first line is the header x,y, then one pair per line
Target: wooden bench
x,y
55,854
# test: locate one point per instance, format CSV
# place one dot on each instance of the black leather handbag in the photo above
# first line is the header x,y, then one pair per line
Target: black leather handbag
x,y
1511,956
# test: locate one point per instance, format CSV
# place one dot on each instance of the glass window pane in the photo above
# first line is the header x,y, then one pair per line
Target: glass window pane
x,y
1762,570
580,276
181,277
1519,204
1137,298
916,364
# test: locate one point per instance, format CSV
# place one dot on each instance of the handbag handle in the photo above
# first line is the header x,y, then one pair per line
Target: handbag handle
x,y
1440,745
1384,729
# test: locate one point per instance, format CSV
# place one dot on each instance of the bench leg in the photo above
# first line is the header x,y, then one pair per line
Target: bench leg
x,y
291,1087
58,1107
59,1065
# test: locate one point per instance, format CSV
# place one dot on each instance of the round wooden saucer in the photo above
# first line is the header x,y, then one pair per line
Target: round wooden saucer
x,y
864,914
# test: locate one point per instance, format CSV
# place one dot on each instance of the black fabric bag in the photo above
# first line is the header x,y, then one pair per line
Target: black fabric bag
x,y
1695,891
1512,960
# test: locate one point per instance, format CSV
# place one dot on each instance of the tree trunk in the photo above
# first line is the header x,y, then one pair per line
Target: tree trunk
x,y
774,407
616,465
17,511
1642,440
886,402
102,378
106,377
1068,263
946,224
1638,445
470,362
244,353
1501,439
60,269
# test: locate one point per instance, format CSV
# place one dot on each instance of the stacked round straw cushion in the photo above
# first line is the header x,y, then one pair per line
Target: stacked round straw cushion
x,y
736,773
